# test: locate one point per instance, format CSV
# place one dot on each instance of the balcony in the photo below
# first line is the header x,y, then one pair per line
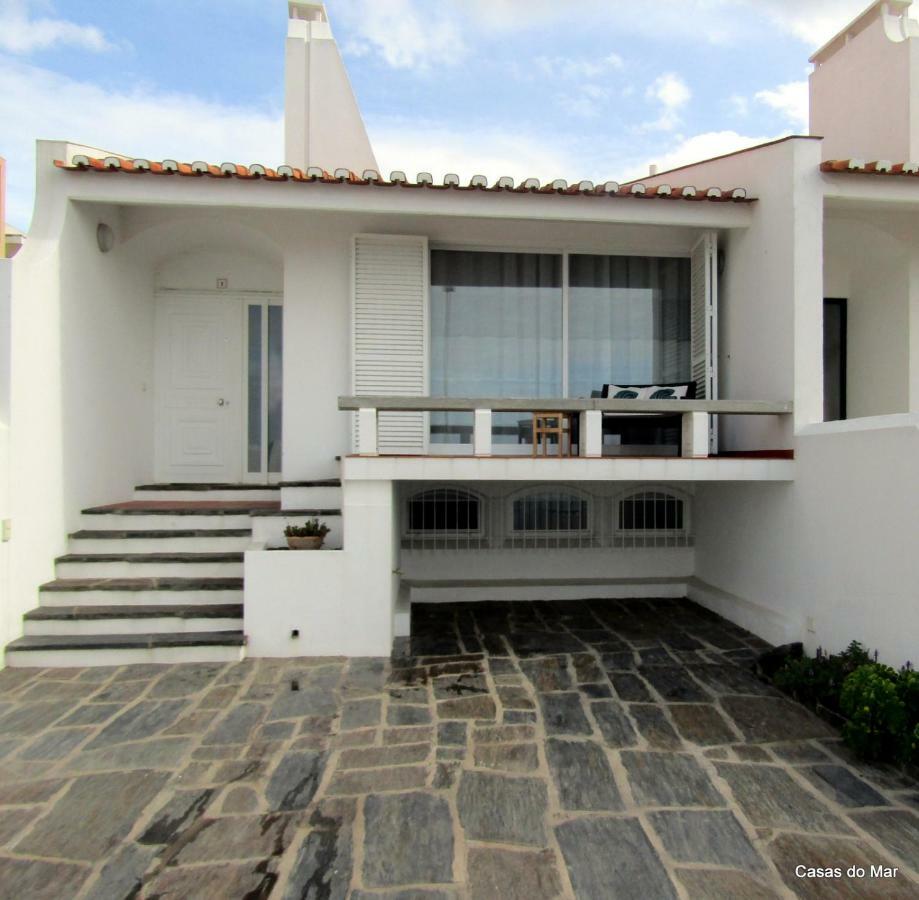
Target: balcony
x,y
378,458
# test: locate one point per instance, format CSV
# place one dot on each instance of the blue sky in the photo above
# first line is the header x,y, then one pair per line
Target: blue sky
x,y
578,89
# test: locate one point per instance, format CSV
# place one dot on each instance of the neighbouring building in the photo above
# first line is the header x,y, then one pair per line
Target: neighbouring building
x,y
729,352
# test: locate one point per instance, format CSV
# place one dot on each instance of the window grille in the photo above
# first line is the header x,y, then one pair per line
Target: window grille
x,y
651,519
444,518
549,519
540,518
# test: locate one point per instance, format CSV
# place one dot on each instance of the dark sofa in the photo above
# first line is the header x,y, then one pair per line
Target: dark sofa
x,y
647,428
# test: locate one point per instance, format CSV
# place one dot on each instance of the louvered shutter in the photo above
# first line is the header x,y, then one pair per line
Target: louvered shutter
x,y
389,353
704,291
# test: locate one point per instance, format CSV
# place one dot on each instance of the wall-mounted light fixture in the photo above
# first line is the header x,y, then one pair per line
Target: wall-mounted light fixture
x,y
105,237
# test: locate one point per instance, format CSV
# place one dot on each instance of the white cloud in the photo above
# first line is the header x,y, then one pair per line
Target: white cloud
x,y
672,93
415,146
791,100
586,100
739,105
579,68
414,32
143,122
700,147
405,34
22,34
813,22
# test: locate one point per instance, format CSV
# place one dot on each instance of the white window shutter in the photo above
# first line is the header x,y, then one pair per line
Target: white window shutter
x,y
390,332
705,322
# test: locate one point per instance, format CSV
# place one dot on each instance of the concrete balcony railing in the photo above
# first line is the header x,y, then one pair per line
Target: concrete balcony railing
x,y
695,416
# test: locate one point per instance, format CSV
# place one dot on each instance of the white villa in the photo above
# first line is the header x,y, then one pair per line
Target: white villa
x,y
704,384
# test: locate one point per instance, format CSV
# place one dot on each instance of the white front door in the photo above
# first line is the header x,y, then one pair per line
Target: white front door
x,y
199,388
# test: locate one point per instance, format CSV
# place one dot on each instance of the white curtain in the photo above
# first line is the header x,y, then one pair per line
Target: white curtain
x,y
496,331
628,321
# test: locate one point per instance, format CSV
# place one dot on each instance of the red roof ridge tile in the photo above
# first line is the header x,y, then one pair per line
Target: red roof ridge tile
x,y
856,166
398,178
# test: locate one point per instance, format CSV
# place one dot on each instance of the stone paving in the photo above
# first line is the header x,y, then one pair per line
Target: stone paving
x,y
590,749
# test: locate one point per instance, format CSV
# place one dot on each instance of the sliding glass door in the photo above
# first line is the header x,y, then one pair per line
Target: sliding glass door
x,y
540,325
628,321
496,331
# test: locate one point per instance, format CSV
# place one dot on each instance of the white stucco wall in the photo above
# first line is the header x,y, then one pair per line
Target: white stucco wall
x,y
770,303
198,268
855,118
322,123
871,267
7,626
830,554
341,601
106,363
36,497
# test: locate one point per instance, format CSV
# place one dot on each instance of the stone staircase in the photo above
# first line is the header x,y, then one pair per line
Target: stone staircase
x,y
159,578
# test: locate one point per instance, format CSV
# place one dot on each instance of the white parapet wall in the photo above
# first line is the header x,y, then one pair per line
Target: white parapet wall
x,y
9,621
328,602
829,558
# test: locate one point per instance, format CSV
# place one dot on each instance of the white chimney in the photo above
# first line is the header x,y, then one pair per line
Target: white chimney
x,y
322,123
864,90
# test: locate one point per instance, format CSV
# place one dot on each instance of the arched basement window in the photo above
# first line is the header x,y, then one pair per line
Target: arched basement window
x,y
439,510
550,511
652,518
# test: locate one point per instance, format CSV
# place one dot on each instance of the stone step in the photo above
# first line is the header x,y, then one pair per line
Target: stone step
x,y
168,516
322,482
47,651
423,590
140,591
156,565
176,540
133,619
207,491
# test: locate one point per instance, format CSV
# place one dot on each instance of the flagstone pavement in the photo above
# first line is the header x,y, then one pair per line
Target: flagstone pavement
x,y
590,749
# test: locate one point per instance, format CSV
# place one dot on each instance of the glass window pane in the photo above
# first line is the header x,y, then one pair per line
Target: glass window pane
x,y
496,331
628,321
550,512
254,390
651,512
443,509
275,383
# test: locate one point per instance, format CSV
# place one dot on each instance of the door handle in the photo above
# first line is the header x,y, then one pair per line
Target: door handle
x,y
222,402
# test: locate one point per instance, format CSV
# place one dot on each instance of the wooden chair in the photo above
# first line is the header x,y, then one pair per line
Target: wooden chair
x,y
547,425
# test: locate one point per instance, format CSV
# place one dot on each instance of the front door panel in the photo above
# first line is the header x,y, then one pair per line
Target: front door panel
x,y
199,380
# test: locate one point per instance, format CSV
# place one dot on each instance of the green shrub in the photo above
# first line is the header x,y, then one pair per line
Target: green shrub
x,y
817,681
877,714
880,704
908,689
311,528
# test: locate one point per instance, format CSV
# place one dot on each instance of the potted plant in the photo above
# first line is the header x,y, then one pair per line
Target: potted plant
x,y
306,537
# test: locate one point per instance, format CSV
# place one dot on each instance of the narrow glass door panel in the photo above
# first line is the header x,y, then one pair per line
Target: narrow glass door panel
x,y
834,360
275,376
254,391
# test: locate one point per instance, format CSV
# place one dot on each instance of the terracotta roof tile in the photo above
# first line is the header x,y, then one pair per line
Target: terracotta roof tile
x,y
256,171
877,167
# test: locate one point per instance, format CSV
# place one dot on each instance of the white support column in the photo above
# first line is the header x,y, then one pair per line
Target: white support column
x,y
591,436
481,440
695,435
367,432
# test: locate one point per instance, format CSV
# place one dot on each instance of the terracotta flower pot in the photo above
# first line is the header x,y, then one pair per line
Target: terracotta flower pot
x,y
304,543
